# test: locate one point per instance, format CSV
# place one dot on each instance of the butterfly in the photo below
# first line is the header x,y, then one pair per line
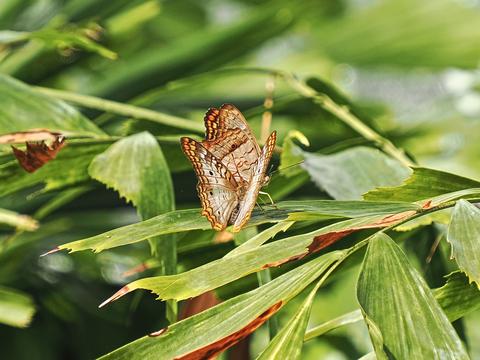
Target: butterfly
x,y
230,167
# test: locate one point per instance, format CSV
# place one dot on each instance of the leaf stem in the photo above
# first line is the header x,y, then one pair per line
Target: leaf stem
x,y
128,110
264,277
345,319
341,112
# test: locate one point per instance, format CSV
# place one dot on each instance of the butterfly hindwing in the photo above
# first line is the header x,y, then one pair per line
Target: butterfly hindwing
x,y
216,186
247,203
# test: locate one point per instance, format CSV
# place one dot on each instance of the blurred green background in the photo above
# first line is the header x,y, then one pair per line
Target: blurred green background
x,y
411,68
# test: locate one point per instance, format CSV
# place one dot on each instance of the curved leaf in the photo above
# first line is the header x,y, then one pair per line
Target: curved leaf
x,y
464,236
424,183
229,320
404,319
458,297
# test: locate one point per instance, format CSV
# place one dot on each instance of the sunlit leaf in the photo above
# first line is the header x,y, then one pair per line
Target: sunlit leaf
x,y
229,320
185,220
464,236
16,308
219,272
424,183
22,108
403,317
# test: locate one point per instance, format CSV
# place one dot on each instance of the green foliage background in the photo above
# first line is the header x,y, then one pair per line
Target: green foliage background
x,y
365,93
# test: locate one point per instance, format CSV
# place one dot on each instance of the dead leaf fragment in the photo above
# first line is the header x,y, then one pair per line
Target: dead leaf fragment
x,y
29,136
38,154
198,304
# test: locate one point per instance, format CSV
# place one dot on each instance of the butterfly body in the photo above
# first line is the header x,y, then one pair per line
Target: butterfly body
x,y
230,167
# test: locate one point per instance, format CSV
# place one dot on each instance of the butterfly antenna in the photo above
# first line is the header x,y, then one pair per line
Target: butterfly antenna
x,y
286,167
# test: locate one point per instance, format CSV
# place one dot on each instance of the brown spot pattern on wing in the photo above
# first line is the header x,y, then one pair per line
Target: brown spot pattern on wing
x,y
211,123
236,151
212,350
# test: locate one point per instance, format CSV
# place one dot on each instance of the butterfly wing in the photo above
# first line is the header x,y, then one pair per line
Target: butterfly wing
x,y
247,203
216,186
230,140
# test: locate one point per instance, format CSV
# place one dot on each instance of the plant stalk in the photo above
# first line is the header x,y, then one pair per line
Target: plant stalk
x,y
127,110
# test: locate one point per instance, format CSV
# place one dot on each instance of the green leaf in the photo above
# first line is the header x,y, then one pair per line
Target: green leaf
x,y
464,236
229,268
73,38
16,308
226,318
349,174
136,167
261,238
424,183
186,220
67,37
21,222
404,319
289,341
22,108
458,297
69,167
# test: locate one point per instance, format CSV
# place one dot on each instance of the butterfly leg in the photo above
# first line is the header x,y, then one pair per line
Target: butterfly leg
x,y
260,206
269,197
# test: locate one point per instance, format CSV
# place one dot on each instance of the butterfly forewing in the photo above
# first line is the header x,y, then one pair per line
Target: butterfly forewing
x,y
249,198
216,186
235,150
230,139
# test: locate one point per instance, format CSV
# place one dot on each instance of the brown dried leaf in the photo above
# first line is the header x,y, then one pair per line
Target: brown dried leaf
x,y
38,154
212,350
28,136
322,241
198,304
